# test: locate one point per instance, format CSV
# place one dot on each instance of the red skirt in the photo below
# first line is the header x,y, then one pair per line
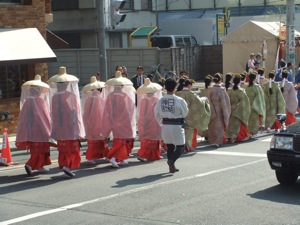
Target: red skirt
x,y
39,153
150,150
194,141
69,154
129,145
97,149
243,134
276,125
118,150
290,119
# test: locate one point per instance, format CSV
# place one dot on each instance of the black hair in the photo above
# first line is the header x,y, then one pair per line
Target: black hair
x,y
208,80
187,82
260,71
271,77
139,67
181,84
217,77
284,75
228,78
243,76
170,84
252,77
236,81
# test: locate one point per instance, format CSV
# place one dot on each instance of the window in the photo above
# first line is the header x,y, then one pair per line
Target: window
x,y
11,79
58,5
146,4
129,5
161,42
11,1
187,41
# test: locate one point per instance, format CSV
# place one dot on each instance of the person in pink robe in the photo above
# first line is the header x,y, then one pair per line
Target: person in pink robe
x,y
119,118
93,104
149,130
34,125
67,124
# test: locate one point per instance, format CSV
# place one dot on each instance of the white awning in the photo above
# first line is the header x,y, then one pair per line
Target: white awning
x,y
24,46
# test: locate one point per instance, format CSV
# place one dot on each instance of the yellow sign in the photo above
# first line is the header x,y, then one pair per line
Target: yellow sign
x,y
221,24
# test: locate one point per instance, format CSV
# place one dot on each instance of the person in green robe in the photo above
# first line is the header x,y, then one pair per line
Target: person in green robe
x,y
275,103
257,106
198,116
240,112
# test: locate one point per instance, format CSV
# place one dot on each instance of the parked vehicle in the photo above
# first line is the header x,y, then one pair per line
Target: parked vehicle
x,y
284,153
168,41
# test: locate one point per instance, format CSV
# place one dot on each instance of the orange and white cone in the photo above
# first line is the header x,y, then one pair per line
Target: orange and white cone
x,y
5,152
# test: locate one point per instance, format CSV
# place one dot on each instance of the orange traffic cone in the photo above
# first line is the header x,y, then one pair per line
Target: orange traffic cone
x,y
5,153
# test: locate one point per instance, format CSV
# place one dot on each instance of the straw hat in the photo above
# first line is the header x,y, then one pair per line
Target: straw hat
x,y
36,82
148,87
93,85
118,80
62,76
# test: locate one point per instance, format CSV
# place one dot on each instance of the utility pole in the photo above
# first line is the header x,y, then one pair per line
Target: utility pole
x,y
101,40
290,33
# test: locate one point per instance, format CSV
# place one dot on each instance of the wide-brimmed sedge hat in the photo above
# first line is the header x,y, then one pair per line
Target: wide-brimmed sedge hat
x,y
62,76
118,80
148,87
93,85
36,82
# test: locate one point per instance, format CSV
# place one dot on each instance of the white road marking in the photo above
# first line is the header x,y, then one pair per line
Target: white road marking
x,y
266,140
76,205
262,155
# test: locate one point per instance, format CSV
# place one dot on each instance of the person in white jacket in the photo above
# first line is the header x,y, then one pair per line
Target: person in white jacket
x,y
171,111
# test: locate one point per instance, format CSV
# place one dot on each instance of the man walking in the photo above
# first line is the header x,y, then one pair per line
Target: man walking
x,y
171,111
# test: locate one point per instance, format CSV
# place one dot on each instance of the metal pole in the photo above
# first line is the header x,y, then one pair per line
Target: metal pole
x,y
101,41
290,33
156,14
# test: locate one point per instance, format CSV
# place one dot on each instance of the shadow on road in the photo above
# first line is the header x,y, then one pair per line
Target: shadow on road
x,y
141,180
280,193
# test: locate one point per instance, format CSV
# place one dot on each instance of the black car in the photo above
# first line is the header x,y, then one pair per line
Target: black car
x,y
284,154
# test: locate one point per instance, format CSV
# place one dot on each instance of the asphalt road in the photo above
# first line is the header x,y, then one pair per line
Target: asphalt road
x,y
229,185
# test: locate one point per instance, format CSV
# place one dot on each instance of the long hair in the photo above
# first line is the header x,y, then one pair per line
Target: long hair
x,y
284,78
228,78
252,77
217,77
271,77
208,80
236,81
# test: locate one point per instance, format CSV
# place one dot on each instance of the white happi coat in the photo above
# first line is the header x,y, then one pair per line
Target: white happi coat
x,y
171,107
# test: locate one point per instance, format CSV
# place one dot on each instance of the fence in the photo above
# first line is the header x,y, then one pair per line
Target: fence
x,y
197,61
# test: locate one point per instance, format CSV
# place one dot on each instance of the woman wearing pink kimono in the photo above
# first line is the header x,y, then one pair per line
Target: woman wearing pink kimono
x,y
34,126
67,124
93,102
220,112
119,118
148,127
290,97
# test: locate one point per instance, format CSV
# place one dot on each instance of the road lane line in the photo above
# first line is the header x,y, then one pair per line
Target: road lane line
x,y
132,191
266,140
261,155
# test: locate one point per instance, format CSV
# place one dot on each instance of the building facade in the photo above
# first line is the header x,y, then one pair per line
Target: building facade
x,y
20,64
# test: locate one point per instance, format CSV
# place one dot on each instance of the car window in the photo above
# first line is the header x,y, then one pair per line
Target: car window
x,y
179,42
161,42
187,41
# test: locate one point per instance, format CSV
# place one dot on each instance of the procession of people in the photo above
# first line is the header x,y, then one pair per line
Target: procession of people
x,y
166,115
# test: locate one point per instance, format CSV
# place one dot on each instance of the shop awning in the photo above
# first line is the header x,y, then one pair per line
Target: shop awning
x,y
24,46
141,37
